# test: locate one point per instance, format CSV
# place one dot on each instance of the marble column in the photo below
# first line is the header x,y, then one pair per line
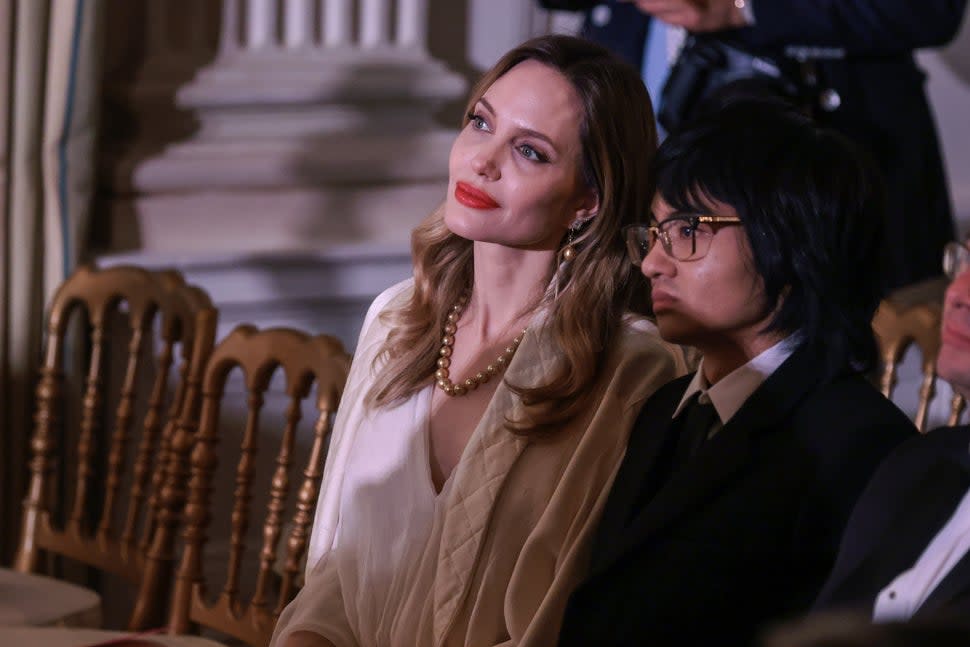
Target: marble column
x,y
260,24
309,134
298,23
336,22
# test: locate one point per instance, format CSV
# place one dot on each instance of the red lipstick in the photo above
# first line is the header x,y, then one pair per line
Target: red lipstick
x,y
474,198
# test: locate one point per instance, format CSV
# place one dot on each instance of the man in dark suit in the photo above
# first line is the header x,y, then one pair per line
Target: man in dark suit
x,y
724,517
869,87
906,549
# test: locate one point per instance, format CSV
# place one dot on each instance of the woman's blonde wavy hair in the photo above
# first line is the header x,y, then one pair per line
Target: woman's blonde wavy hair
x,y
593,291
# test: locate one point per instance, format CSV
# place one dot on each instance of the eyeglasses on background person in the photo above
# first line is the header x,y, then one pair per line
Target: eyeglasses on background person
x,y
956,259
684,238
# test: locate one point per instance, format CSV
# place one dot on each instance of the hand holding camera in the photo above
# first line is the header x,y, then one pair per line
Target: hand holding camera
x,y
696,15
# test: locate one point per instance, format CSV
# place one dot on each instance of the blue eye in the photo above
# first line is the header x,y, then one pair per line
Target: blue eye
x,y
532,154
477,122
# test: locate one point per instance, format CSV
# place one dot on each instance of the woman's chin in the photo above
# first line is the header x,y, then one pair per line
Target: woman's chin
x,y
461,223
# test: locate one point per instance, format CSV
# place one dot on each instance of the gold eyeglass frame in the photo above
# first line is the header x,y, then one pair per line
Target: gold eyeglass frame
x,y
633,234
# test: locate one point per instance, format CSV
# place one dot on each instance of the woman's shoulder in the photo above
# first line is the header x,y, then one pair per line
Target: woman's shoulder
x,y
391,297
374,329
637,329
638,338
641,361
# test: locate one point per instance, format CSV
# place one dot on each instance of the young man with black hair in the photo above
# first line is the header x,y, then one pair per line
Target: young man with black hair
x,y
727,511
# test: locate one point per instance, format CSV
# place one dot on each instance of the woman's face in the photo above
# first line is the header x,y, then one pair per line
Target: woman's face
x,y
514,170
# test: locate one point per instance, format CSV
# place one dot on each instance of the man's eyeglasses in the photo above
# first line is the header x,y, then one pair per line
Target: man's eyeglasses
x,y
956,259
684,238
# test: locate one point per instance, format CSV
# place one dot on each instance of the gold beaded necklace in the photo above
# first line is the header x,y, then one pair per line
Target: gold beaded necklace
x,y
444,361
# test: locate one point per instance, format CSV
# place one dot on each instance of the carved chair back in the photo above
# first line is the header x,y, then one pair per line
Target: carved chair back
x,y
118,504
303,361
913,318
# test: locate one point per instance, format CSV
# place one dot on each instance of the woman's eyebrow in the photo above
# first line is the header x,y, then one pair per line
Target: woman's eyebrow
x,y
488,106
527,131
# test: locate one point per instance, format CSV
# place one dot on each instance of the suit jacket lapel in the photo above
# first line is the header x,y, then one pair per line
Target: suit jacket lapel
x,y
957,581
895,548
955,584
716,462
891,543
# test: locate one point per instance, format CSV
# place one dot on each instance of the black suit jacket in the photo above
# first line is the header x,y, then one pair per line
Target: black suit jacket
x,y
883,103
746,532
908,501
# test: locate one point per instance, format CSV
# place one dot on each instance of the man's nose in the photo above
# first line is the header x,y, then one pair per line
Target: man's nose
x,y
656,262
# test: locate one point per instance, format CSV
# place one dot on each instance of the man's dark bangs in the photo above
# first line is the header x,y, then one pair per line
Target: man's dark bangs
x,y
731,156
692,174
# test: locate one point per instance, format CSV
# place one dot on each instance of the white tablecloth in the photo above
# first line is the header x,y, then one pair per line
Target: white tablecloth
x,y
60,637
29,599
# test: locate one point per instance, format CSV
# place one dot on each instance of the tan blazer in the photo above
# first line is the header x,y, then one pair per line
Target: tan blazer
x,y
512,538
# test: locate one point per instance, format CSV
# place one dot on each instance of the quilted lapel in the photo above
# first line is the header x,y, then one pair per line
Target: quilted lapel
x,y
479,478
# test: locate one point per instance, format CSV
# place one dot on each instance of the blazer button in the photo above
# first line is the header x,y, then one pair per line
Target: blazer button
x,y
600,15
830,100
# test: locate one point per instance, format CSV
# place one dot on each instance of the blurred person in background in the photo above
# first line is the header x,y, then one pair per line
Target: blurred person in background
x,y
848,62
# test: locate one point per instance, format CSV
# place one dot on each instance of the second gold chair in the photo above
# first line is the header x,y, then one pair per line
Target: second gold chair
x,y
911,316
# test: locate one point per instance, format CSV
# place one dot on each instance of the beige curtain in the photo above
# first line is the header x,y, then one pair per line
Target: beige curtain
x,y
49,62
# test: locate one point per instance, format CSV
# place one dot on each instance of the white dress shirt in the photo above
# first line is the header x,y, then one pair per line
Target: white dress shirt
x,y
733,390
905,594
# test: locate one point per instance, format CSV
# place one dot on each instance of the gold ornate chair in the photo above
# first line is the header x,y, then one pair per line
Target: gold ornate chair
x,y
304,362
911,316
117,520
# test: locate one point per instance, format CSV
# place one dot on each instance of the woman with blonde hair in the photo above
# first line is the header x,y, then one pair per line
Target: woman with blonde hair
x,y
491,396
